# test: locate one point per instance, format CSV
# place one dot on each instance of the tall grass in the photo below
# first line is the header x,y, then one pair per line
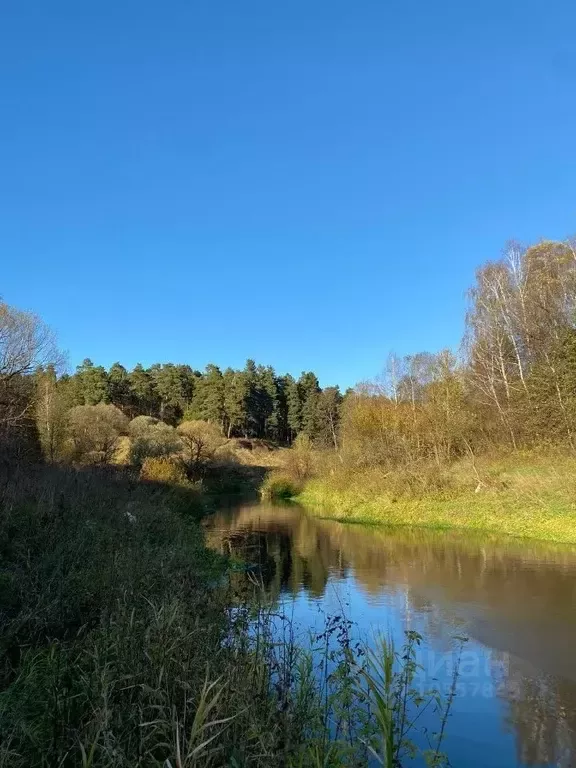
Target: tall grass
x,y
122,644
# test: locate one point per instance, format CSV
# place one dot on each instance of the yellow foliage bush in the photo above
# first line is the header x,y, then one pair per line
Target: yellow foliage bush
x,y
163,470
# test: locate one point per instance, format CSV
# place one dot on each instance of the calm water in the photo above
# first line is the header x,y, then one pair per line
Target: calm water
x,y
515,601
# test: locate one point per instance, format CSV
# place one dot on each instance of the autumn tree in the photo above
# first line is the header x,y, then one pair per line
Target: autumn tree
x,y
94,430
447,425
520,309
299,460
552,386
201,440
51,408
26,344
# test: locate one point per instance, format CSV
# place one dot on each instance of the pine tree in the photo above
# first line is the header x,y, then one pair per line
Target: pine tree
x,y
309,390
281,408
143,394
252,423
293,406
270,404
93,383
235,401
208,400
119,387
173,385
188,379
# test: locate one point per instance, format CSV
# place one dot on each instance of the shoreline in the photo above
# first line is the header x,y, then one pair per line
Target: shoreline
x,y
496,512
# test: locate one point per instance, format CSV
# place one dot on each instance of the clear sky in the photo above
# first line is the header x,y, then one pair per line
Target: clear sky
x,y
310,183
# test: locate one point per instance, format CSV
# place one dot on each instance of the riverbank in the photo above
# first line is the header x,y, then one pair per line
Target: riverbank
x,y
117,639
528,496
124,642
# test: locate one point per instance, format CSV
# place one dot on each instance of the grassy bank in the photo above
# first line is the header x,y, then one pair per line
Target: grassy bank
x,y
106,621
522,495
122,643
119,642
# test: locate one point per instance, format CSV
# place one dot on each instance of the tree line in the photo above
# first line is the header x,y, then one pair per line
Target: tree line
x,y
511,384
253,402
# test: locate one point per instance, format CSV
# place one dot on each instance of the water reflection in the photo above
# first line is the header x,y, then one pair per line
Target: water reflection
x,y
515,600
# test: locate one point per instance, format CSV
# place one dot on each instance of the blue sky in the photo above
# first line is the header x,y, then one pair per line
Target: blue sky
x,y
311,184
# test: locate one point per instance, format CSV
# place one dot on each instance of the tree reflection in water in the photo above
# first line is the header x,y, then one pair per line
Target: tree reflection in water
x,y
516,597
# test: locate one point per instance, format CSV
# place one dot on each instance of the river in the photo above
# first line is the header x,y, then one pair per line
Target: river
x,y
514,600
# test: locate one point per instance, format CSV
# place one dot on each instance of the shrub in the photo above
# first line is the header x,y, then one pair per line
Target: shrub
x,y
93,431
279,485
141,424
298,461
151,438
201,440
163,470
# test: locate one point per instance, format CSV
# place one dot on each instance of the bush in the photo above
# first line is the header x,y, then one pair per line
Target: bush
x,y
201,440
296,467
163,470
93,432
141,424
151,438
298,461
279,485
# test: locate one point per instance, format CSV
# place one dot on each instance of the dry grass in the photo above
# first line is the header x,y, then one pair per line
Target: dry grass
x,y
259,454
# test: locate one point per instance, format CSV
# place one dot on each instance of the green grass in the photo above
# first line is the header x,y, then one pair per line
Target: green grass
x,y
522,495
